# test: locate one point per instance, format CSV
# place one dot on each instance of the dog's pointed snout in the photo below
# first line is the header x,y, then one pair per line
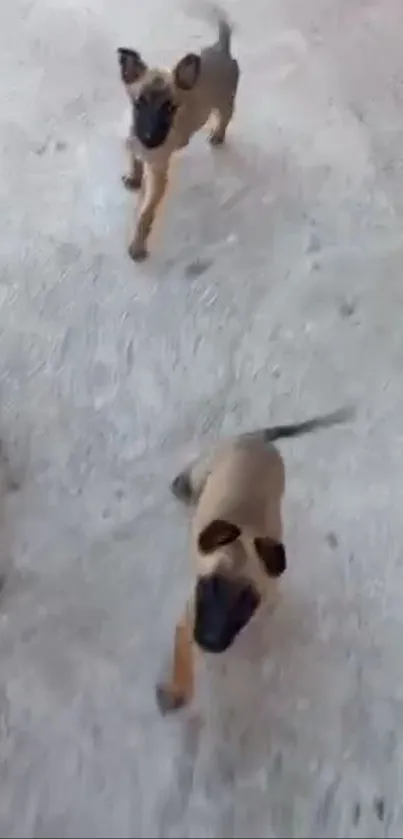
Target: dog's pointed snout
x,y
223,607
210,642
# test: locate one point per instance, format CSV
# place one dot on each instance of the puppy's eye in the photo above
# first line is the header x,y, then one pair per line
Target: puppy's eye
x,y
140,102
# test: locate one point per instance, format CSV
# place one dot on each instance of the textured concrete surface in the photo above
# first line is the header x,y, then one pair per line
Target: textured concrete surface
x,y
275,290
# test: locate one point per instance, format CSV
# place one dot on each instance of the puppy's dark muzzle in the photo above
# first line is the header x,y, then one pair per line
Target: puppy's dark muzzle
x,y
153,124
223,607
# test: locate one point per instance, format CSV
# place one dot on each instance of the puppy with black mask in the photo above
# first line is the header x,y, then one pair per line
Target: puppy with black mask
x,y
168,107
236,495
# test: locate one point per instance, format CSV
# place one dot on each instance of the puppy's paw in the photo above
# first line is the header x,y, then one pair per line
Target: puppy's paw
x,y
131,183
181,488
169,699
137,251
217,138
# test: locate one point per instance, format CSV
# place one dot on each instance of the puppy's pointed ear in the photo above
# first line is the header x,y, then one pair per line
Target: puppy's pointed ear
x,y
272,555
217,534
187,71
131,65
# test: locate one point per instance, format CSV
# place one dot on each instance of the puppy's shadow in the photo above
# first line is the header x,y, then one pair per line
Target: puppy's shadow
x,y
239,724
237,682
222,736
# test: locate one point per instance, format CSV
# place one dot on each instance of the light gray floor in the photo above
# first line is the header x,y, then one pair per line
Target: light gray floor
x,y
274,290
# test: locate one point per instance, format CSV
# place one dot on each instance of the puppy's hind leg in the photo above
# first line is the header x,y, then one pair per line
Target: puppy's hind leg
x,y
188,486
181,487
223,117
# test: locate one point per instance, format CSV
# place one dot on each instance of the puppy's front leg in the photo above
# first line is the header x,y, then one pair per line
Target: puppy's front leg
x,y
133,179
153,188
177,690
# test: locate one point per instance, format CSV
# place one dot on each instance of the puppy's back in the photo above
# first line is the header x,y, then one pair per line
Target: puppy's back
x,y
245,486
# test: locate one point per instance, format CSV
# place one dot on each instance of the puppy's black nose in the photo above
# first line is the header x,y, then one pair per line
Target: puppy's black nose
x,y
223,608
211,642
212,605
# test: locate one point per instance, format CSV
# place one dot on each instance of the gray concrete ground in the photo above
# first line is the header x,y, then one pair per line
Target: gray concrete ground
x,y
275,290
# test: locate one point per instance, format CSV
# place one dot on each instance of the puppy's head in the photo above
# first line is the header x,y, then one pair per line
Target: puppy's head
x,y
225,600
156,95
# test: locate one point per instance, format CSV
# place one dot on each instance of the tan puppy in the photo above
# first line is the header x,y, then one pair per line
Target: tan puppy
x,y
237,544
168,107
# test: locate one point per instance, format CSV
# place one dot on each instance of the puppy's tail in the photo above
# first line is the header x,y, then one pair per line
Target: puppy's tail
x,y
278,432
217,16
224,30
